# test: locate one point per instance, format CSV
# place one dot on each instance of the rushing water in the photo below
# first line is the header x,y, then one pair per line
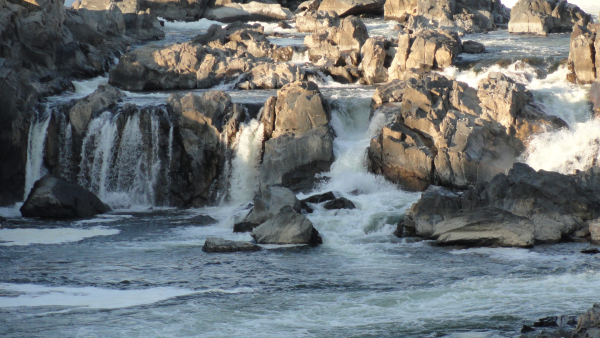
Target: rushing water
x,y
140,272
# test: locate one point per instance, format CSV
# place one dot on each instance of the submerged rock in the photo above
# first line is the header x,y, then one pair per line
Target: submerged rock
x,y
287,227
542,17
55,197
213,244
320,198
339,203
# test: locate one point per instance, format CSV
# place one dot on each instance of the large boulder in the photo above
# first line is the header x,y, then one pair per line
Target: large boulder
x,y
220,55
427,49
399,9
584,53
55,197
521,208
253,11
301,142
542,17
352,7
287,227
338,42
449,133
267,205
213,244
313,20
588,324
200,125
374,57
175,10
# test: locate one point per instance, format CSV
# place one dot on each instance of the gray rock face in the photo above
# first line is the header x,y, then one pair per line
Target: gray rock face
x,y
268,204
595,97
545,206
542,17
287,227
200,123
213,244
301,143
313,20
352,7
220,55
584,57
338,42
457,136
174,10
426,49
485,227
374,60
588,324
339,203
473,47
253,11
55,197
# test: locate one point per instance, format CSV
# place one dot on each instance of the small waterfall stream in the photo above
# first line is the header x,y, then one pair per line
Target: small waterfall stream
x,y
36,144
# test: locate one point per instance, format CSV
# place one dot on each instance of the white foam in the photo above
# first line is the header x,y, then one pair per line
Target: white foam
x,y
86,87
12,211
512,254
10,237
95,298
202,24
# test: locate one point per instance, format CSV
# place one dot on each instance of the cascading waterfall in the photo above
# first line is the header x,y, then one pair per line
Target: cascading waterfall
x,y
245,164
66,149
36,143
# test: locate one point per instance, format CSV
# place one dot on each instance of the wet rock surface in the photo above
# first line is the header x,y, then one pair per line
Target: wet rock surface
x,y
213,244
55,197
287,227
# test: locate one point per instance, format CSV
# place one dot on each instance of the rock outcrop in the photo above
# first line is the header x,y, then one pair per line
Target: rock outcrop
x,y
253,11
521,208
542,17
43,45
339,203
463,17
213,244
234,53
588,324
287,227
174,10
55,197
352,7
314,21
343,42
375,60
267,205
200,125
426,49
450,134
299,140
584,54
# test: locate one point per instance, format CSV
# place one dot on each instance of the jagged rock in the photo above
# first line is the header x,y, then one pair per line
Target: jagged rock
x,y
309,5
595,98
595,229
199,122
266,205
337,42
339,203
213,244
253,11
201,220
287,227
173,10
584,57
313,20
302,140
427,49
588,324
55,197
485,227
220,55
399,9
392,91
352,7
373,60
548,205
542,17
320,198
473,47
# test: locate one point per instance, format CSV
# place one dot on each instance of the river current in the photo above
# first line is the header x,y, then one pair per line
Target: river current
x,y
139,271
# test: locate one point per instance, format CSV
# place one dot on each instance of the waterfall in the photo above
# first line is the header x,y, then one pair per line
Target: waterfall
x,y
245,164
36,143
66,149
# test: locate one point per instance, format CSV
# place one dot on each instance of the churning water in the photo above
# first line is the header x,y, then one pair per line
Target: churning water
x,y
140,272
